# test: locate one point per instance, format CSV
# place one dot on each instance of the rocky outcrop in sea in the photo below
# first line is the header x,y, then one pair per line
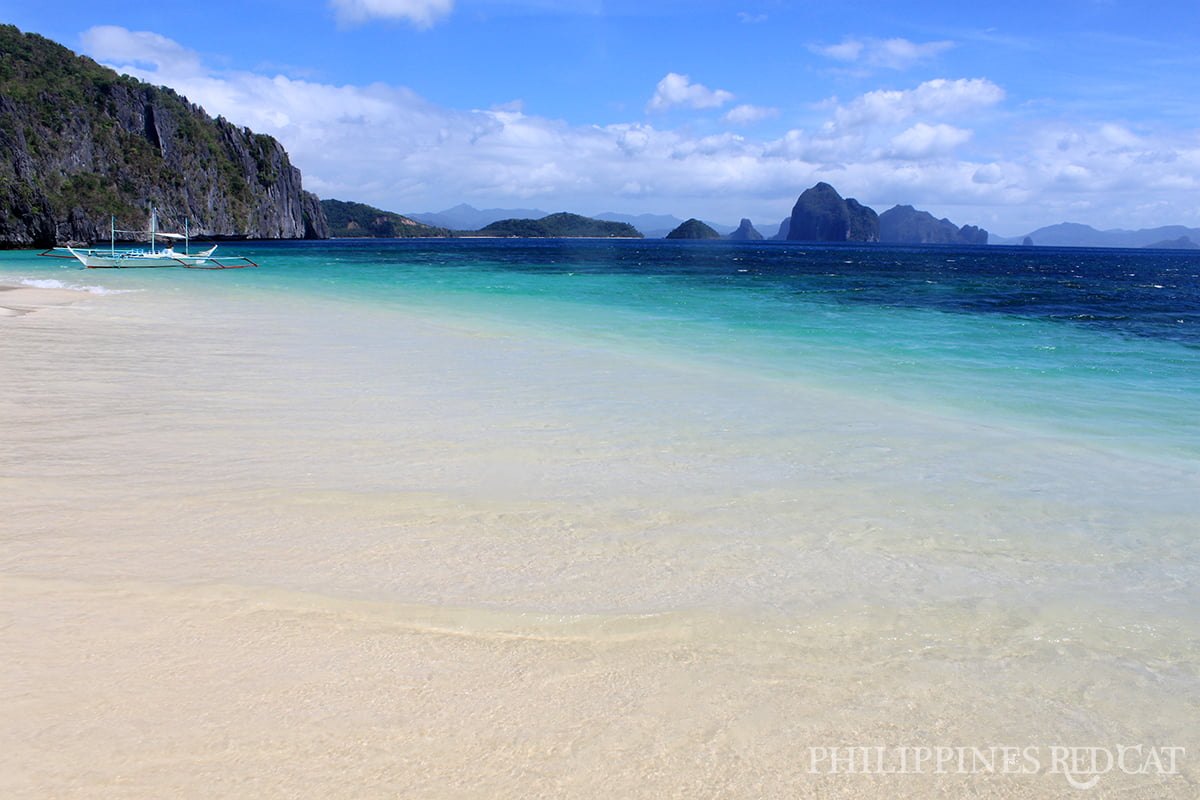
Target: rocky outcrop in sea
x,y
693,229
821,215
906,225
745,232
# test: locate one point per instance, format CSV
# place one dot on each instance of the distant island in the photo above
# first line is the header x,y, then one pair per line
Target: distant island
x,y
1182,243
821,215
463,217
559,226
745,232
1073,234
693,229
904,224
360,221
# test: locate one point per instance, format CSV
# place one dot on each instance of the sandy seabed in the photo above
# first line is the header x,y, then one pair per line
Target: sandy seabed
x,y
243,556
18,300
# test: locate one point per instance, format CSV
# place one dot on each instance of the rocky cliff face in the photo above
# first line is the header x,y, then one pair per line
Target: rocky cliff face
x,y
745,232
80,144
906,225
821,215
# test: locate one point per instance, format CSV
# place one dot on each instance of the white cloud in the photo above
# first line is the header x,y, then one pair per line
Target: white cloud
x,y
678,90
848,50
118,45
748,115
902,54
988,174
387,146
936,98
421,13
923,141
898,54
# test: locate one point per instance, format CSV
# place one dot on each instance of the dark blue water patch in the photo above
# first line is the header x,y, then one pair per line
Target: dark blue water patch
x,y
1143,293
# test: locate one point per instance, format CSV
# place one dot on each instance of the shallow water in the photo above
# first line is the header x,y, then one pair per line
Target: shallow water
x,y
583,519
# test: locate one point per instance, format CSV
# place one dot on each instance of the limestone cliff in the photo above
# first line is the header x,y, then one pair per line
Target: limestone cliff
x,y
821,215
80,144
906,225
745,232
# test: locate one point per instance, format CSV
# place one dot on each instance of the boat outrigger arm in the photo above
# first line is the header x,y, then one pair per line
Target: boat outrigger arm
x,y
98,258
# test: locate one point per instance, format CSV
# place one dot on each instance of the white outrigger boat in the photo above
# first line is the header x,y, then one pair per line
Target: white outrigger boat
x,y
100,258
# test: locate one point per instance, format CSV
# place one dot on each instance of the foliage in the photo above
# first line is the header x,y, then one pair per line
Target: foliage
x,y
89,190
693,229
561,226
360,221
80,143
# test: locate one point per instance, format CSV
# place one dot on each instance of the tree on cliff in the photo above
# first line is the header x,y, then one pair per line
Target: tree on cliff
x,y
80,144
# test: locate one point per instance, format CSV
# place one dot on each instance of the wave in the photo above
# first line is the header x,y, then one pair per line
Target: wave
x,y
51,283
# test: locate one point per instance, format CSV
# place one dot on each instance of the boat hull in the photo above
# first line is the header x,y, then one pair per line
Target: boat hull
x,y
139,259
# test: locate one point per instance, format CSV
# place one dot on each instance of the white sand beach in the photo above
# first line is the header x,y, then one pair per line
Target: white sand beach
x,y
313,550
18,300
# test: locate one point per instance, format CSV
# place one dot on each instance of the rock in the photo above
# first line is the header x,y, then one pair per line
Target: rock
x,y
693,229
745,232
821,215
906,225
80,145
1182,243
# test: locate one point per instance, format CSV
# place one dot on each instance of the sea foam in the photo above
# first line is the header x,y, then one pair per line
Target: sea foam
x,y
51,283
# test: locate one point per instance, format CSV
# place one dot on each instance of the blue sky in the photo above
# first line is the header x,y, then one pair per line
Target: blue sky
x,y
1008,115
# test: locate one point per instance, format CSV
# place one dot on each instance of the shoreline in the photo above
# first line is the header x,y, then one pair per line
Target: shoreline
x,y
328,549
17,300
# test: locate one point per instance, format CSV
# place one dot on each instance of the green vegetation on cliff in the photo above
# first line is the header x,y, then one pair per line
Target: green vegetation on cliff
x,y
693,229
561,226
80,144
355,220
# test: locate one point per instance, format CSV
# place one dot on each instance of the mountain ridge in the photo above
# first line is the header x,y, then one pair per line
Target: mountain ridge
x,y
1076,234
350,220
463,217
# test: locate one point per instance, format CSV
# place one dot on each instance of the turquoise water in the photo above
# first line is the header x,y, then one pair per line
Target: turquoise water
x,y
1099,344
725,501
